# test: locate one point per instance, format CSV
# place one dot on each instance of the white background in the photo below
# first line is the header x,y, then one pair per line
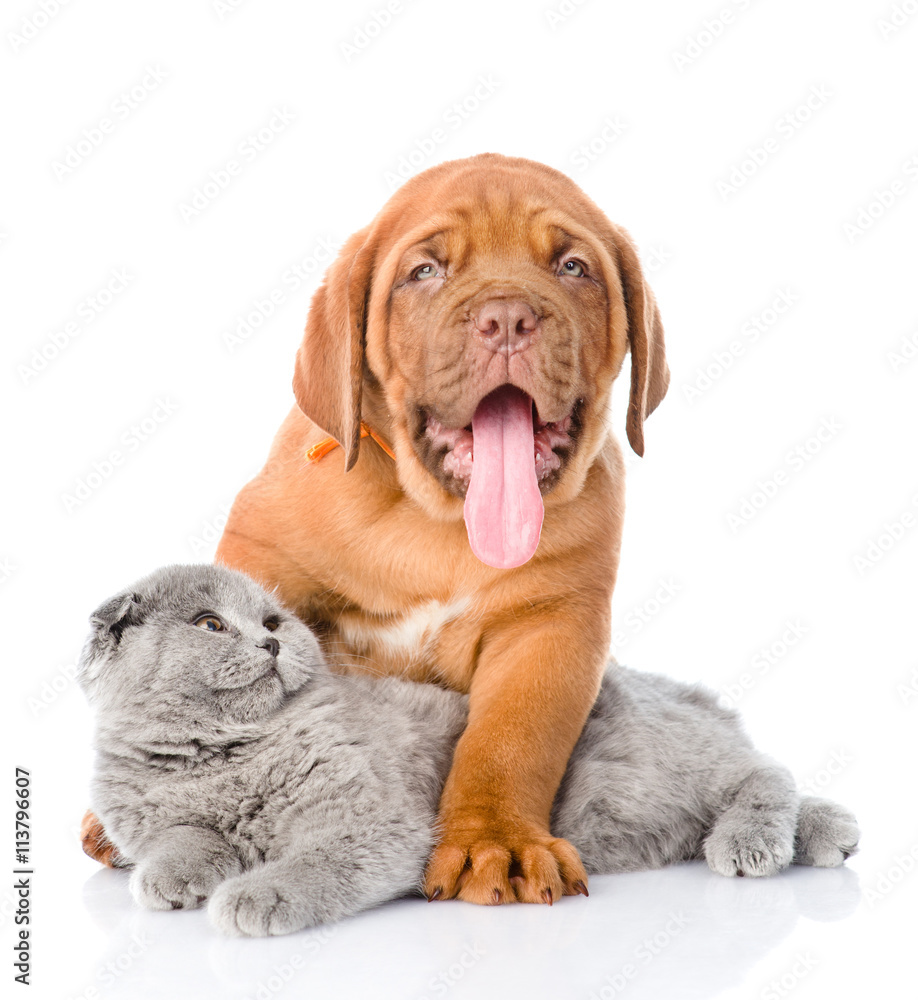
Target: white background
x,y
674,112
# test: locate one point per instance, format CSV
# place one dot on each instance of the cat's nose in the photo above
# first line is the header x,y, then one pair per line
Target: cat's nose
x,y
271,645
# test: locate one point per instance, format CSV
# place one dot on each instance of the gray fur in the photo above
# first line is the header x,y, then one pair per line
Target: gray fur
x,y
289,796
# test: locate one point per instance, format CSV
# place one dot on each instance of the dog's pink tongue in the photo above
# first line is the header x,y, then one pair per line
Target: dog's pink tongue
x,y
503,506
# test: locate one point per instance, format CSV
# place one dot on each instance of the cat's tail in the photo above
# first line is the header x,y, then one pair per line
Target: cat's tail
x,y
827,833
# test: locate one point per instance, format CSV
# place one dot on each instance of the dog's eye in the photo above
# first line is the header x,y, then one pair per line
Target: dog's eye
x,y
272,624
211,622
573,268
424,272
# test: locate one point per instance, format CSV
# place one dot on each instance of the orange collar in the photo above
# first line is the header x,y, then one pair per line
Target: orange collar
x,y
328,444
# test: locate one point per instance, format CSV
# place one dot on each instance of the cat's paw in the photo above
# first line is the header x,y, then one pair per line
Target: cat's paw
x,y
254,906
177,883
748,848
827,834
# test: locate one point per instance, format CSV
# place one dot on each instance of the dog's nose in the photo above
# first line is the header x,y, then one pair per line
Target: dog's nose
x,y
506,326
271,645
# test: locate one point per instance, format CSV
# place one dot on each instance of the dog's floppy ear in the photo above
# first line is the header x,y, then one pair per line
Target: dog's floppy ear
x,y
328,377
649,371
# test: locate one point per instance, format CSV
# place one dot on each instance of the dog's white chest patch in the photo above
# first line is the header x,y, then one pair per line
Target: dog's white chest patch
x,y
409,635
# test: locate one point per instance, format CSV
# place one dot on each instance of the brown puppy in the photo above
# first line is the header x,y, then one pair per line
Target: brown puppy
x,y
476,326
478,274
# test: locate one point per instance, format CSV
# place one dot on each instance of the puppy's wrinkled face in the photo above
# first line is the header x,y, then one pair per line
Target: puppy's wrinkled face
x,y
503,297
194,647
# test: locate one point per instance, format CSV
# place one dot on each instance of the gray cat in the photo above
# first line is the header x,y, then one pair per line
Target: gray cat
x,y
234,766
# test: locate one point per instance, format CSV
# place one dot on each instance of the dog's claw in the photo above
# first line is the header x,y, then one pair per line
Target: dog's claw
x,y
436,894
740,873
547,896
581,888
498,895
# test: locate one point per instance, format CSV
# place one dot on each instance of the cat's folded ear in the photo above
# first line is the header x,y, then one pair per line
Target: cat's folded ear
x,y
108,623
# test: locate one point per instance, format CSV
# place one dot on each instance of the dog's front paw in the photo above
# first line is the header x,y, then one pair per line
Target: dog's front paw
x,y
255,906
487,863
176,883
748,848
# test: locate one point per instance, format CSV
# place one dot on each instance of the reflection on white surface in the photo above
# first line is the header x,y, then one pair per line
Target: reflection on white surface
x,y
683,932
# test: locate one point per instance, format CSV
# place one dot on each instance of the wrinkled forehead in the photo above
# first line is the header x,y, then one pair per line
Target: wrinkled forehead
x,y
508,220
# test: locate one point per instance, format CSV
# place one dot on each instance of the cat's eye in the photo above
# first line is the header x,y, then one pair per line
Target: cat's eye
x,y
271,624
211,622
